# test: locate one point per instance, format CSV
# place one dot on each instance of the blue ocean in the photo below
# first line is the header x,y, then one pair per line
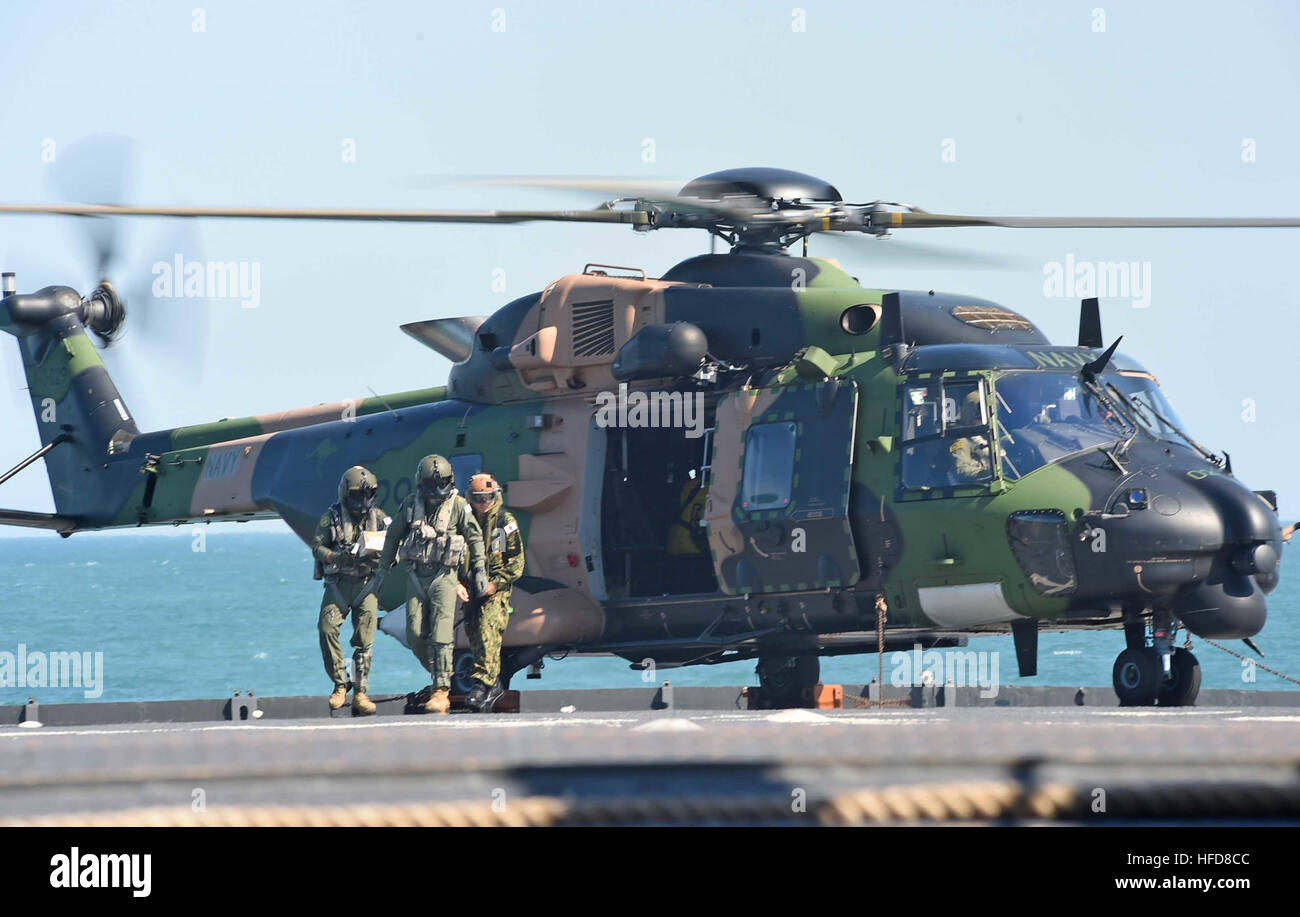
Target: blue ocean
x,y
206,611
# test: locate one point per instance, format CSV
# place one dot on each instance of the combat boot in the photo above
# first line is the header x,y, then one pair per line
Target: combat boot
x,y
491,695
474,700
338,697
439,702
362,705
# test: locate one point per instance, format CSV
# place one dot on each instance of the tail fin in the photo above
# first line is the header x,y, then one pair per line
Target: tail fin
x,y
77,406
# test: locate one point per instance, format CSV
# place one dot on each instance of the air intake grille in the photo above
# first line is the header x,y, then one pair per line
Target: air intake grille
x,y
593,328
992,317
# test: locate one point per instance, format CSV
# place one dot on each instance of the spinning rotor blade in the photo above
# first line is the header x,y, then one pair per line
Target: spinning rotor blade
x,y
634,217
755,209
922,220
891,252
96,169
663,195
156,337
730,210
650,189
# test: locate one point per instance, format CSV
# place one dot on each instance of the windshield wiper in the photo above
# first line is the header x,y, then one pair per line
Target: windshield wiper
x,y
1122,446
1128,424
1139,409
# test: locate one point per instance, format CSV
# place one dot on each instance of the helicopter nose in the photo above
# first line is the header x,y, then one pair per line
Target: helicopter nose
x,y
1247,520
1229,602
1182,536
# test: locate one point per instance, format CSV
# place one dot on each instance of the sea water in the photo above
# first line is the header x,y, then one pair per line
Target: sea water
x,y
204,611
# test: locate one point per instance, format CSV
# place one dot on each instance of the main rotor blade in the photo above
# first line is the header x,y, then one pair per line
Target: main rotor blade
x,y
905,220
633,217
905,253
656,189
660,192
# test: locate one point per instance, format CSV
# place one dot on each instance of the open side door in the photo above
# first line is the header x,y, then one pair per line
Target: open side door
x,y
777,510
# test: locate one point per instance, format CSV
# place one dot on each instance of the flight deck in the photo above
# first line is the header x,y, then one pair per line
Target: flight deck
x,y
695,756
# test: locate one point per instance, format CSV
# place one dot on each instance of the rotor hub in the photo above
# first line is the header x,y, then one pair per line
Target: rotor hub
x,y
775,185
103,312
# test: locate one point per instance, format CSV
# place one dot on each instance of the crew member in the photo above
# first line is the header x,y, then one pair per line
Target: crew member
x,y
488,614
685,534
347,561
972,460
432,532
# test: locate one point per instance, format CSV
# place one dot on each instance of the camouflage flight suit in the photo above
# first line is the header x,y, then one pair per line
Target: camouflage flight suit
x,y
971,459
485,623
346,574
431,555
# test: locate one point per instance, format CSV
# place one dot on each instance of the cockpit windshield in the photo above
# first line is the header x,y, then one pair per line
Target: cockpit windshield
x,y
1149,405
1040,417
1045,416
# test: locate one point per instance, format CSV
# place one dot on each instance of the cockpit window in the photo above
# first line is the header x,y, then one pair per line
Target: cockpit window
x,y
1045,416
1150,406
945,434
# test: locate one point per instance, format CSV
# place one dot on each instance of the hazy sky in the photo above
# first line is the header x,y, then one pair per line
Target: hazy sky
x,y
1019,108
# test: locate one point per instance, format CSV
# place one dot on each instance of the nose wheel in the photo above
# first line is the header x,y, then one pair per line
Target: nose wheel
x,y
1184,681
1137,676
1140,680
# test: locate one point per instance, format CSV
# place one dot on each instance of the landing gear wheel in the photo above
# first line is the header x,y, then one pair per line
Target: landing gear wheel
x,y
1137,676
783,678
1185,682
462,667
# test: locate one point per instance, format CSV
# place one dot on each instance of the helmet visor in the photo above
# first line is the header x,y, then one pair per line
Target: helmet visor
x,y
437,488
360,500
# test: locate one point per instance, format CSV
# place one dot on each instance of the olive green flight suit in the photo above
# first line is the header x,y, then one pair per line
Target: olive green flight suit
x,y
484,624
431,586
346,574
971,459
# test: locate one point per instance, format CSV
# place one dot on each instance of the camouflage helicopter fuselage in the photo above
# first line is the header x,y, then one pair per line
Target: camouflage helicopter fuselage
x,y
829,488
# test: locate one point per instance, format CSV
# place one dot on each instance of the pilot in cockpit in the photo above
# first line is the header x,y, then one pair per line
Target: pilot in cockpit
x,y
972,458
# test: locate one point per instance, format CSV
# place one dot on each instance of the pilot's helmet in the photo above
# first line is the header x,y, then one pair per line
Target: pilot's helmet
x,y
970,409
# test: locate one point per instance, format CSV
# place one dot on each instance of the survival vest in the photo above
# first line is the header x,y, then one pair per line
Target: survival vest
x,y
432,544
344,535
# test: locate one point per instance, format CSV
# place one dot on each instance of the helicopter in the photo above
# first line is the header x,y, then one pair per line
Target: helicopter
x,y
751,456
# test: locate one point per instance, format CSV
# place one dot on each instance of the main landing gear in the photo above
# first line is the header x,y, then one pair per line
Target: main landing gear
x,y
783,679
1155,673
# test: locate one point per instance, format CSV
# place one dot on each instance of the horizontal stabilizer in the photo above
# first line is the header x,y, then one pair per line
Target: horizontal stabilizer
x,y
55,523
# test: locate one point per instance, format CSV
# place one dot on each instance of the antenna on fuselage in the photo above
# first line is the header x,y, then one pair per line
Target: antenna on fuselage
x,y
1090,323
891,326
891,320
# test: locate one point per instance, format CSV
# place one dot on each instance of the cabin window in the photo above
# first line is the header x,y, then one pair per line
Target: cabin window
x,y
945,434
769,466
